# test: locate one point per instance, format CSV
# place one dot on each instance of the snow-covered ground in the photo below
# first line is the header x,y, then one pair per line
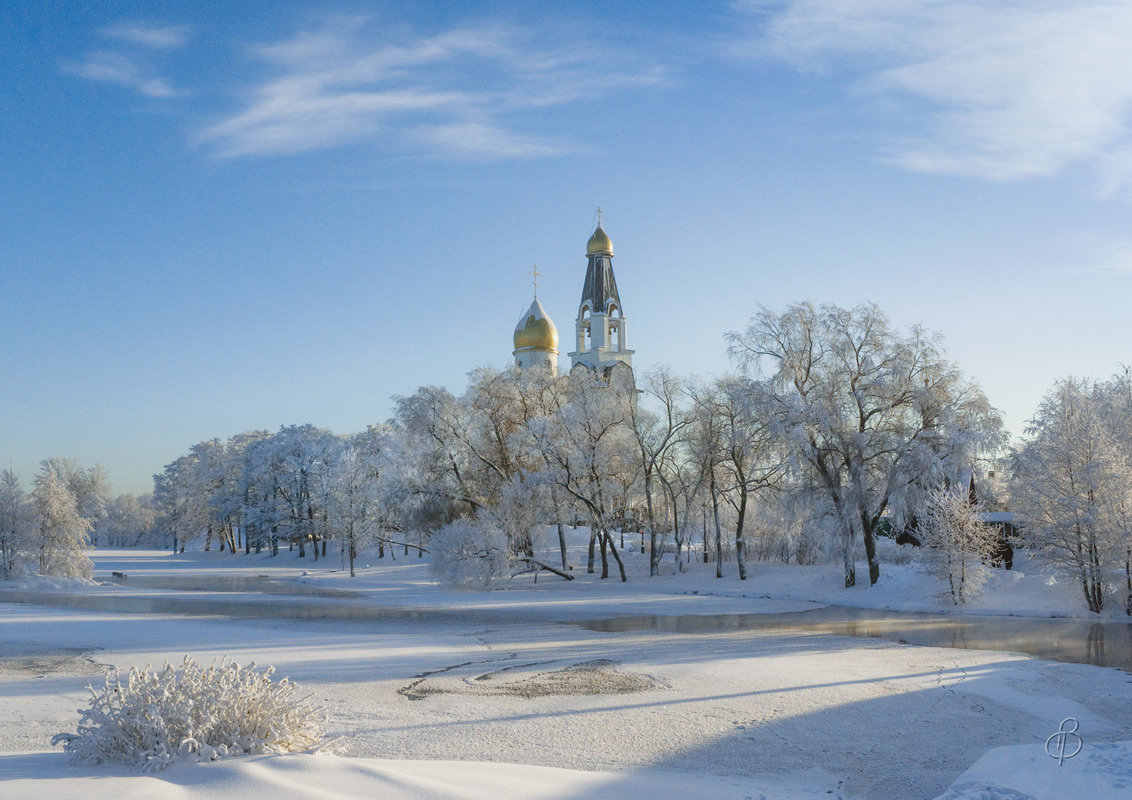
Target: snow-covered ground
x,y
507,701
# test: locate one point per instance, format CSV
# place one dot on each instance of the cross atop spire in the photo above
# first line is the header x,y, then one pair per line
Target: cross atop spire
x,y
597,215
534,273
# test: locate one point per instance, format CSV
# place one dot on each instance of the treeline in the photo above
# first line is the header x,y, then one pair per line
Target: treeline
x,y
48,530
836,430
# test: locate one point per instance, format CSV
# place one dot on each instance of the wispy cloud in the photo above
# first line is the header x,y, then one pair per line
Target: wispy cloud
x,y
1097,255
1001,90
456,93
130,63
169,37
120,69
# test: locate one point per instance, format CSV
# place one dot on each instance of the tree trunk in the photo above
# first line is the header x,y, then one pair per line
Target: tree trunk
x,y
740,542
617,558
848,543
1128,581
718,527
558,523
869,535
704,509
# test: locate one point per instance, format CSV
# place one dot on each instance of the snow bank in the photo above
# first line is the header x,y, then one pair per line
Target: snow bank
x,y
1027,772
39,775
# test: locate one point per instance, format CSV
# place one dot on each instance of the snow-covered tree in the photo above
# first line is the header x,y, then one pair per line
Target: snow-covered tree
x,y
956,541
128,520
303,456
90,487
873,417
17,526
471,553
657,432
176,505
354,503
750,458
587,446
1115,396
438,424
63,533
1072,487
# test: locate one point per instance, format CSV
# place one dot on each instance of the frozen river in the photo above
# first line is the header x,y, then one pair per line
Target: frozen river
x,y
1083,641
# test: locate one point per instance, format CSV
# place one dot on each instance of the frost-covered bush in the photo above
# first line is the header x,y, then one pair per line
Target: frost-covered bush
x,y
956,542
892,553
208,713
470,554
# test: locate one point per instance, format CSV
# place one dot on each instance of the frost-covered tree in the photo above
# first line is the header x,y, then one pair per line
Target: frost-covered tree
x,y
707,444
1115,396
658,421
1072,486
177,506
63,533
751,459
438,425
354,500
471,553
16,526
128,520
873,417
587,446
303,457
956,541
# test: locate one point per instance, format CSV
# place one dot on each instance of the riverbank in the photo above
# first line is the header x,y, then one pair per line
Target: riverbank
x,y
726,713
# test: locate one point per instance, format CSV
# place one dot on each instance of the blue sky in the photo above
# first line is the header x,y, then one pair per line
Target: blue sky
x,y
223,217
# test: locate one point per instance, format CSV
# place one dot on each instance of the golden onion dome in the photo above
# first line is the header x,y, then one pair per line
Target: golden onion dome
x,y
599,243
536,331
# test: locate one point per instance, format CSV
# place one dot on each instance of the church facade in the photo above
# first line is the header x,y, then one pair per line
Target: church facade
x,y
601,329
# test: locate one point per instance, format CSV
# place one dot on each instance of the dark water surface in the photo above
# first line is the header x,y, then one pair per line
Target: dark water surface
x,y
1078,641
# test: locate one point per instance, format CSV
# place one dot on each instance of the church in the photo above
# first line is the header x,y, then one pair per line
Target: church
x,y
601,342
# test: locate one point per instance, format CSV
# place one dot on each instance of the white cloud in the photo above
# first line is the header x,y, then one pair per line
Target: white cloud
x,y
130,63
454,93
122,70
480,140
1007,89
168,37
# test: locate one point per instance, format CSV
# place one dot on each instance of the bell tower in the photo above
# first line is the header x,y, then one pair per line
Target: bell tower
x,y
602,330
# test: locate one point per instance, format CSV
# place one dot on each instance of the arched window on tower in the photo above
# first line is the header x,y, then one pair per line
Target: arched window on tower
x,y
614,327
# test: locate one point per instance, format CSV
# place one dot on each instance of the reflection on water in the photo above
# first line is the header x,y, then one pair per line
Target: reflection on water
x,y
249,596
1080,641
1106,644
261,584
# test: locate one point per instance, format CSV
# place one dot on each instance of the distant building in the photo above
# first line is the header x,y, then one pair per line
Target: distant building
x,y
601,328
536,339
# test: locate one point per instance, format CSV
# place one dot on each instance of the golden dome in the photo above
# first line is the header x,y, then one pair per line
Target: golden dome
x,y
536,331
599,243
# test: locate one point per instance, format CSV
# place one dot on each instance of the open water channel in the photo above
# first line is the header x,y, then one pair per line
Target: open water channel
x,y
1083,641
